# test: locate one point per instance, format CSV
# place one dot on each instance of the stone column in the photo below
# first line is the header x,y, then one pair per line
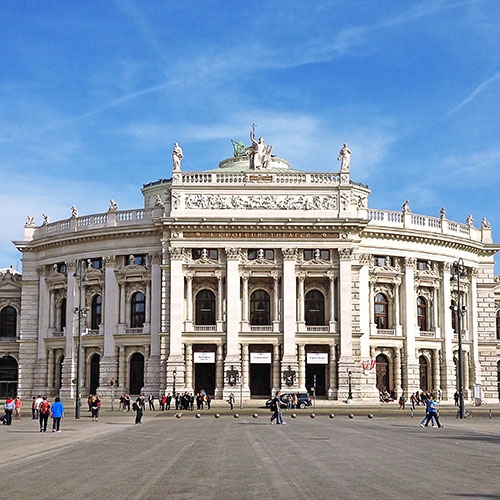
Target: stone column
x,y
276,368
50,373
331,300
332,373
189,297
302,368
244,300
189,368
289,308
233,308
474,366
219,372
365,297
276,316
448,368
220,300
436,375
122,375
409,322
398,388
301,278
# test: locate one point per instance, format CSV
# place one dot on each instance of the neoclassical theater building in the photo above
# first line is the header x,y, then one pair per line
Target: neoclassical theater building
x,y
248,278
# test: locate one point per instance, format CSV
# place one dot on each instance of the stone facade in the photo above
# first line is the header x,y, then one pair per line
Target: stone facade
x,y
251,280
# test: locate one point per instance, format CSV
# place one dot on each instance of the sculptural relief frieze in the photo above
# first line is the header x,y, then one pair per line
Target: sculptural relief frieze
x,y
260,202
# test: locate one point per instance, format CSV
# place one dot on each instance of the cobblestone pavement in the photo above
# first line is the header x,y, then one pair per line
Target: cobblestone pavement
x,y
324,457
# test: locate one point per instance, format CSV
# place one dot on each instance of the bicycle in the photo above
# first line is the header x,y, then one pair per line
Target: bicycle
x,y
467,413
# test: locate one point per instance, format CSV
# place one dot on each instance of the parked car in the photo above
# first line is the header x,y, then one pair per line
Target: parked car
x,y
303,400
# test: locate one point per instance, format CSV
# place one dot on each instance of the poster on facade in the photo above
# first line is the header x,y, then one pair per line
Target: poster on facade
x,y
317,358
260,357
204,357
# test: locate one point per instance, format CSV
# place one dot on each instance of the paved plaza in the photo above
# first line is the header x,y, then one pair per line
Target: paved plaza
x,y
384,457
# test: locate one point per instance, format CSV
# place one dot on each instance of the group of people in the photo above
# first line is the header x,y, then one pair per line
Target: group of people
x,y
42,410
12,408
94,403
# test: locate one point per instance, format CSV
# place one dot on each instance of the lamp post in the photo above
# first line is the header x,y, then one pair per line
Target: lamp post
x,y
349,379
81,312
174,375
458,271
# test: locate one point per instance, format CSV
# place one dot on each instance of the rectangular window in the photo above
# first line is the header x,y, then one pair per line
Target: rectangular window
x,y
205,253
380,261
61,267
254,254
96,263
422,265
316,254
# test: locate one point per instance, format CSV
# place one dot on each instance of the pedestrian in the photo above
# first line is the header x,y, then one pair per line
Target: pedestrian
x,y
276,408
126,402
456,397
33,408
151,401
230,400
136,406
431,413
18,404
9,407
57,413
168,401
38,402
43,414
413,400
94,408
402,402
208,401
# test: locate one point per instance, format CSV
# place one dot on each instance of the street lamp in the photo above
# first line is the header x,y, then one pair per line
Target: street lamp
x,y
81,312
458,271
174,375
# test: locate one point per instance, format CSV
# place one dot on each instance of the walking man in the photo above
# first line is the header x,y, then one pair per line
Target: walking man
x,y
276,406
57,412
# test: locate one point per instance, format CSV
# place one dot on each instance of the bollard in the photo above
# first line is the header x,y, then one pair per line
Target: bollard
x,y
370,415
178,415
313,415
332,415
236,415
293,415
197,415
255,415
351,415
216,415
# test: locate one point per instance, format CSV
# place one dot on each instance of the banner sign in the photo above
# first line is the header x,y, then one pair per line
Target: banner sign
x,y
204,357
317,358
260,357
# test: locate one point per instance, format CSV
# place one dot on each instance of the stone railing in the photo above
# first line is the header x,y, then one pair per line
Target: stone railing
x,y
205,328
108,219
385,331
317,329
387,218
257,177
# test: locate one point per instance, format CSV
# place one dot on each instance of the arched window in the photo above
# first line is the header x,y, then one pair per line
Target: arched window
x,y
314,308
62,315
205,308
381,308
422,313
8,322
96,312
260,307
498,324
137,310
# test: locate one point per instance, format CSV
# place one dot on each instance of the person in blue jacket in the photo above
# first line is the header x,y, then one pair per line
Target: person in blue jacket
x,y
57,413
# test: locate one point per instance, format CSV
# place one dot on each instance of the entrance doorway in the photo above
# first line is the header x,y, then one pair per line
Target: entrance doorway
x,y
316,377
204,378
260,379
94,373
136,373
383,380
8,377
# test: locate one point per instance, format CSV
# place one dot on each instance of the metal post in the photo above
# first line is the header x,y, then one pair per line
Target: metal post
x,y
349,378
241,391
459,268
80,312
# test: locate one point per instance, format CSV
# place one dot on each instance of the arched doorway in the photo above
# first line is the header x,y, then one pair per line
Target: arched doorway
x,y
136,373
424,380
8,376
382,370
95,362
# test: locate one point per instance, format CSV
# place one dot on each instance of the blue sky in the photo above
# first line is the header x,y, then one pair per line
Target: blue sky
x,y
93,94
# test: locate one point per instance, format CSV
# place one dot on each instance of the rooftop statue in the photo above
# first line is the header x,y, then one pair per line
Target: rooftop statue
x,y
239,148
260,153
345,155
177,156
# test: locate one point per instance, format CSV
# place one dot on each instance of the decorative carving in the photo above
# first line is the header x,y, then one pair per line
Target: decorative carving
x,y
289,253
176,253
260,153
259,202
74,212
46,219
233,253
30,221
159,202
345,253
406,207
485,224
113,206
109,260
410,262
